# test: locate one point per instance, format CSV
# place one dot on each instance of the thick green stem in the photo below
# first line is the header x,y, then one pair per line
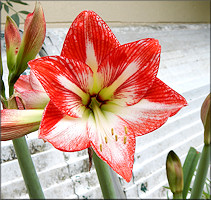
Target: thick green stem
x,y
177,195
28,169
201,173
108,181
26,164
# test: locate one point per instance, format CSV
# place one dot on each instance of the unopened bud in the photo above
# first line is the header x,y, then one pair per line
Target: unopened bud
x,y
205,117
174,173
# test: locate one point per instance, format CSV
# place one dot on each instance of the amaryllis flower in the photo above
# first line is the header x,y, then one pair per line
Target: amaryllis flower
x,y
103,94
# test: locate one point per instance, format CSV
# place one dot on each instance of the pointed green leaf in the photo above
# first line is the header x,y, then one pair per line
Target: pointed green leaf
x,y
6,8
16,18
9,3
189,168
20,2
1,5
24,12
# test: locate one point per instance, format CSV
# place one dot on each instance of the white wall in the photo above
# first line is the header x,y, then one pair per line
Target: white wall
x,y
62,13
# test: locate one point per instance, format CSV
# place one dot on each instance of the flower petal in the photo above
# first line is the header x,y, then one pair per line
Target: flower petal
x,y
35,84
112,144
159,103
34,99
66,82
16,123
89,40
129,71
22,84
62,131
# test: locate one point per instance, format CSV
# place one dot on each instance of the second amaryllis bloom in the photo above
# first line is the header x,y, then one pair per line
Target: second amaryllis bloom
x,y
103,94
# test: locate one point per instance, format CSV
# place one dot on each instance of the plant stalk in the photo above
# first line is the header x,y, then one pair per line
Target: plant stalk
x,y
177,195
109,184
26,164
27,168
201,173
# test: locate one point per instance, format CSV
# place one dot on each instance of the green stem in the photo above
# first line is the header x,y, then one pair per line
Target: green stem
x,y
2,82
26,164
28,169
177,195
201,173
108,181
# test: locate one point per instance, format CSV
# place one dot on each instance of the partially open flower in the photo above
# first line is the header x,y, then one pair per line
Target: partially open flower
x,y
32,93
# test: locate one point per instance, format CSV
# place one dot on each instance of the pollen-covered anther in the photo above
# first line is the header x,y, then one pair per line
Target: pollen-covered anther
x,y
101,147
126,130
116,137
106,140
125,139
112,131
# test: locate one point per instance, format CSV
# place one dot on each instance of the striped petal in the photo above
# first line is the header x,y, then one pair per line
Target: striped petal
x,y
22,84
159,103
112,143
62,131
17,123
34,99
128,72
66,82
89,40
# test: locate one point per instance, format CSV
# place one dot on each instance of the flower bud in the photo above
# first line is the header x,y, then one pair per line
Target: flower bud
x,y
33,38
13,42
17,123
205,117
174,172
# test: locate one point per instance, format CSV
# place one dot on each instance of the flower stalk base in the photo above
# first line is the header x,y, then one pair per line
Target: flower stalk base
x,y
108,183
28,169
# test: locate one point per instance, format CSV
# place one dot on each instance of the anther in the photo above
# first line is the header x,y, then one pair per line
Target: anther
x,y
106,140
112,131
116,137
126,130
125,138
101,148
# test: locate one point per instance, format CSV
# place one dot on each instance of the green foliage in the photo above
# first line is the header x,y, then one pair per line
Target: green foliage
x,y
8,7
189,168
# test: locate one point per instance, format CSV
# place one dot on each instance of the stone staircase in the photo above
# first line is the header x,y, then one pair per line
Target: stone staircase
x,y
185,66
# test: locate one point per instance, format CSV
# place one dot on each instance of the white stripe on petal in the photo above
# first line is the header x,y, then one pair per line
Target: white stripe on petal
x,y
73,88
132,68
91,59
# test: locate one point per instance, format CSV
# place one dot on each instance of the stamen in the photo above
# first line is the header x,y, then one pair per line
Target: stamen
x,y
112,131
126,130
125,138
116,137
106,140
101,148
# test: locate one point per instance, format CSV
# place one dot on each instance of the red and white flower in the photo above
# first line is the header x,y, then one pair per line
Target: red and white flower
x,y
103,94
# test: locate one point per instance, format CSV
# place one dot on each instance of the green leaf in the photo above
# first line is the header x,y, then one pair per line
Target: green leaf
x,y
1,5
16,18
189,168
8,2
6,8
24,12
20,2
